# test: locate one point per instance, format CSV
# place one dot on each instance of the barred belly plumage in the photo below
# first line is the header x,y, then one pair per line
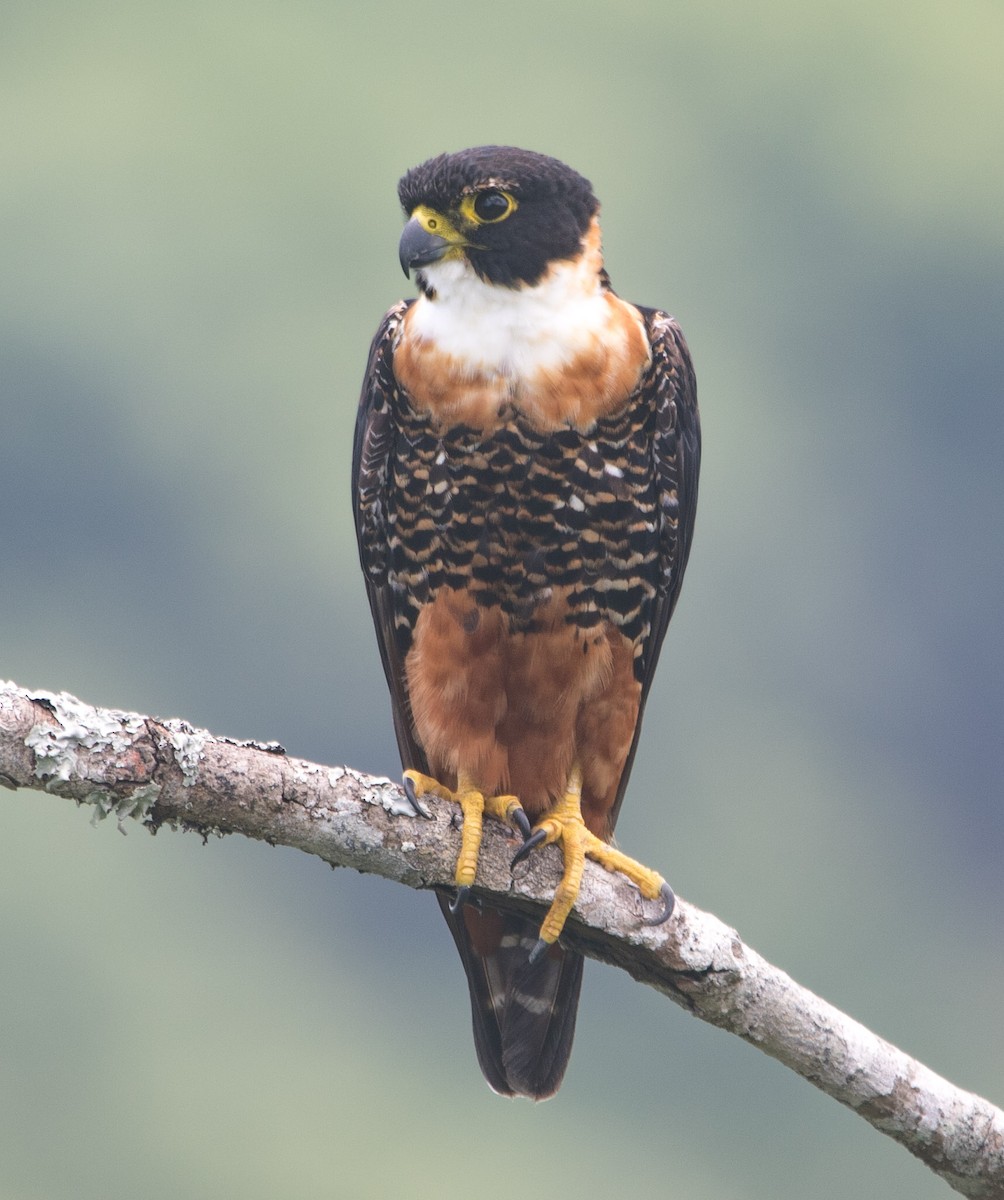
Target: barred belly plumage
x,y
513,514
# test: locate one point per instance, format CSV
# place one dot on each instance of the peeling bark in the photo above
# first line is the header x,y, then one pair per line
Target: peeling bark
x,y
161,772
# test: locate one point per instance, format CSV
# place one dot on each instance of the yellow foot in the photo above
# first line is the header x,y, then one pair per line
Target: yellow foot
x,y
474,804
564,824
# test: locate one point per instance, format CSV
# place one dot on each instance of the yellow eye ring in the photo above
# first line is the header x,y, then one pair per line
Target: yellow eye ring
x,y
488,206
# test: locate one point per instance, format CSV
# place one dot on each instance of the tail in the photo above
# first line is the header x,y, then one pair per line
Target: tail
x,y
524,1014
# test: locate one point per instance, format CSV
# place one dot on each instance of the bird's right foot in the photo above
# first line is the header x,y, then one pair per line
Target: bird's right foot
x,y
474,804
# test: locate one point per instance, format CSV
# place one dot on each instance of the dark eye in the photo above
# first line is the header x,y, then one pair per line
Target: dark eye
x,y
492,205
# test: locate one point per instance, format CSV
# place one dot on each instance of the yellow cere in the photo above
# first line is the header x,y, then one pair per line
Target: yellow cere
x,y
433,221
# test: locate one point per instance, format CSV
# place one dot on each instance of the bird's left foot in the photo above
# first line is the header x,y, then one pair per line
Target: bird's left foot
x,y
564,824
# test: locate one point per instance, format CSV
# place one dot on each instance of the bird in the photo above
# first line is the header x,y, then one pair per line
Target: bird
x,y
525,471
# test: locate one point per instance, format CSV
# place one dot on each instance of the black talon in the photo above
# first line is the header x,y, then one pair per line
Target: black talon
x,y
409,790
522,823
460,899
539,948
669,903
531,843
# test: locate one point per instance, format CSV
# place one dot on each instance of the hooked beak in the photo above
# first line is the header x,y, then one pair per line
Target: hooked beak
x,y
428,237
419,246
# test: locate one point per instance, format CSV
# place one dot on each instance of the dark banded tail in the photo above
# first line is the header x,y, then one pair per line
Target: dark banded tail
x,y
523,1012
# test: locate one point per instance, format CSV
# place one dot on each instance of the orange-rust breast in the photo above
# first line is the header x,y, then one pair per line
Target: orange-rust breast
x,y
597,381
593,382
446,388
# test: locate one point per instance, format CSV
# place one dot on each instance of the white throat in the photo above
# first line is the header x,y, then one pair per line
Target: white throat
x,y
511,332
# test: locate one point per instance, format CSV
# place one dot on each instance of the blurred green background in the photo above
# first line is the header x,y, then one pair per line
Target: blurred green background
x,y
198,231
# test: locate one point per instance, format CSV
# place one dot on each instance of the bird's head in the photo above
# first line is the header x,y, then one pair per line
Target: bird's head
x,y
510,214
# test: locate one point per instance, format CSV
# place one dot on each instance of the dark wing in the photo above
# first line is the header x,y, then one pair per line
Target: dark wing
x,y
676,455
372,452
523,1013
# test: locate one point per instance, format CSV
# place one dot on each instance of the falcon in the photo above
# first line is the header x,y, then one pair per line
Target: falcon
x,y
524,487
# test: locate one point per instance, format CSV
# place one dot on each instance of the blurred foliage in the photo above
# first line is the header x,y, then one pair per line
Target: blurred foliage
x,y
198,230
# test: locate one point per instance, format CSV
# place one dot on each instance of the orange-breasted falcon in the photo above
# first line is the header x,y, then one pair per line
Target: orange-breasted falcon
x,y
524,486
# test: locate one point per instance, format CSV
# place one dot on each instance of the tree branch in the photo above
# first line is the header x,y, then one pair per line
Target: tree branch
x,y
167,772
